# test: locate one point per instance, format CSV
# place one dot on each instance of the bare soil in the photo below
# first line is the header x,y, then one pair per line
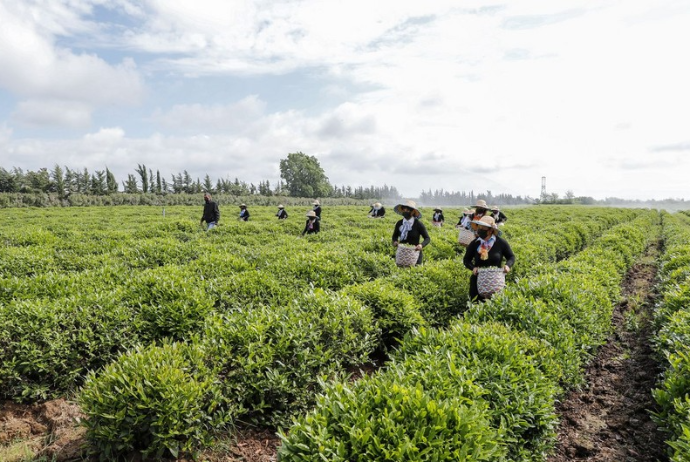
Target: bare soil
x,y
48,430
609,419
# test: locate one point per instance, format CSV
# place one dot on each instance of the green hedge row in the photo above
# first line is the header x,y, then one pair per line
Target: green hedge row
x,y
261,364
672,342
158,278
502,367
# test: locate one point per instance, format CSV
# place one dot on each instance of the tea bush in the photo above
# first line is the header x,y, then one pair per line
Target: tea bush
x,y
391,416
159,400
395,310
271,358
48,346
517,375
672,319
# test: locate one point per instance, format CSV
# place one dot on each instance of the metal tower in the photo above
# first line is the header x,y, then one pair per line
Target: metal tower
x,y
543,187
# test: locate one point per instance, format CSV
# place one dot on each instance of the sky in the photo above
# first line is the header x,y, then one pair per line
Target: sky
x,y
420,95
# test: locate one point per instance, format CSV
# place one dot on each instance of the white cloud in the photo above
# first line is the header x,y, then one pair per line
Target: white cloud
x,y
420,95
211,118
35,67
52,113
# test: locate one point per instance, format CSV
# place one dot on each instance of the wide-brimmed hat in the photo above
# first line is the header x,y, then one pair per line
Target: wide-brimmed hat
x,y
482,204
378,204
410,205
487,221
466,212
280,206
311,214
495,207
316,202
438,210
243,206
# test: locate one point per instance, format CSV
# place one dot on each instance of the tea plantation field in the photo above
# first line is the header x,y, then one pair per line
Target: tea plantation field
x,y
166,334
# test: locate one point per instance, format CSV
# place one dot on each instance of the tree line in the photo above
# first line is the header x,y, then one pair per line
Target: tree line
x,y
301,176
455,198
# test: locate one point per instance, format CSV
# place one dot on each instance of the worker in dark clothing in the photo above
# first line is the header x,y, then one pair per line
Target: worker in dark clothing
x,y
499,216
377,210
244,213
211,213
410,230
282,214
317,208
437,219
313,225
488,250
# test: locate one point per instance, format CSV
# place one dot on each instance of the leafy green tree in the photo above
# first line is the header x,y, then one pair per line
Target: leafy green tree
x,y
304,176
131,184
110,181
98,183
39,180
188,183
8,181
208,186
144,174
58,178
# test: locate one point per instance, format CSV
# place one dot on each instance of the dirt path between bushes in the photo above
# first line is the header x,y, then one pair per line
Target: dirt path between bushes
x,y
609,419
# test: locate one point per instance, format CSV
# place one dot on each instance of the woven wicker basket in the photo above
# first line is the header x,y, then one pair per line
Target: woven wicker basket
x,y
490,281
406,255
465,237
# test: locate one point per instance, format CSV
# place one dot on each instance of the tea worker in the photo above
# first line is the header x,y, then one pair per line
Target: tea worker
x,y
244,213
317,208
437,219
410,230
499,216
487,250
464,221
282,214
480,209
313,225
377,210
211,213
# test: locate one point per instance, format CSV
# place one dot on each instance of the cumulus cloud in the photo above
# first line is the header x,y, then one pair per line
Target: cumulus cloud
x,y
52,113
37,68
534,21
346,121
105,136
211,118
671,147
418,95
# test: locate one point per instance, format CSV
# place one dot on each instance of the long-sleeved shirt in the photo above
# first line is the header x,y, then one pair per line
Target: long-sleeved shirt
x,y
311,226
413,236
500,250
282,214
378,213
211,212
500,217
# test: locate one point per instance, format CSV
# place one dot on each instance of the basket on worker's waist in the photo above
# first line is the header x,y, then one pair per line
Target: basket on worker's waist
x,y
490,281
465,237
437,224
406,255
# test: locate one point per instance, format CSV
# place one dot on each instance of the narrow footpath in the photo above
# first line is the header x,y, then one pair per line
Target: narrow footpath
x,y
609,419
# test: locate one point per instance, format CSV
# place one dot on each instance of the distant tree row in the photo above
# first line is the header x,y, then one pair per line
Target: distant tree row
x,y
302,175
462,198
